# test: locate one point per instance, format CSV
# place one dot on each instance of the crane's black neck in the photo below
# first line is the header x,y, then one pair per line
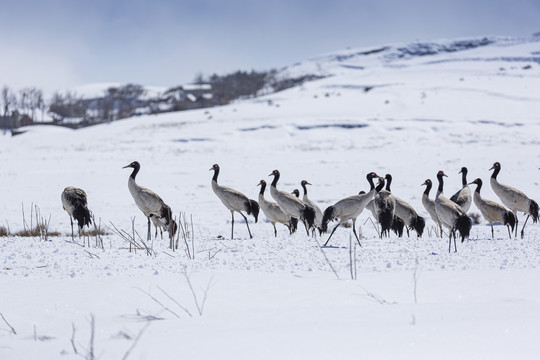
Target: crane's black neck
x,y
305,189
496,172
216,174
478,186
388,182
428,188
276,178
464,177
380,186
441,182
370,181
263,187
135,171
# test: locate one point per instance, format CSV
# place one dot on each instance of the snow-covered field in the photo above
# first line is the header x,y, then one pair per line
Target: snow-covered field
x,y
389,111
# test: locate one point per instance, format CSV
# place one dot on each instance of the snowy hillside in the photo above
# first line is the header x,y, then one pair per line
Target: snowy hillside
x,y
407,109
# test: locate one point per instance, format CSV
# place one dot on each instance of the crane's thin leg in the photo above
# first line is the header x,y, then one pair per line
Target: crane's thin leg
x,y
354,231
517,222
305,225
332,233
440,228
275,230
72,236
232,224
455,246
149,235
245,218
523,228
492,236
509,234
406,227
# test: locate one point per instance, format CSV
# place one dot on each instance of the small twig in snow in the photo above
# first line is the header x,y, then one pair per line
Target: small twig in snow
x,y
8,324
136,341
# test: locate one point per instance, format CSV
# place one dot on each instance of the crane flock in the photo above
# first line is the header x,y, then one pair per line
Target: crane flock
x,y
391,212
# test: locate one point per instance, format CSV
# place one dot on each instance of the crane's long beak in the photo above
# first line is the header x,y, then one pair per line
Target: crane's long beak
x,y
491,168
123,167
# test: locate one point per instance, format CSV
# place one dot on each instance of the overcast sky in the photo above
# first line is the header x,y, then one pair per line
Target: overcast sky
x,y
61,44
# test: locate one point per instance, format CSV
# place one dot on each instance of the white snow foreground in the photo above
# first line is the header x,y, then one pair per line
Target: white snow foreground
x,y
267,297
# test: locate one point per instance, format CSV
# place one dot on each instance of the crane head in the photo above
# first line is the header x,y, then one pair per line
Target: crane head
x,y
495,166
134,165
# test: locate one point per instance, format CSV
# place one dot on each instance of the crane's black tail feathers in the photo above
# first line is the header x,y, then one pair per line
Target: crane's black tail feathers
x,y
419,224
397,226
533,210
166,214
173,227
308,214
252,208
328,216
294,225
463,225
386,218
510,219
82,215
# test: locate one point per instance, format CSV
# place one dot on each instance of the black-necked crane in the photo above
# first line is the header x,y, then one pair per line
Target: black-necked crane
x,y
234,201
309,202
348,209
161,222
397,223
429,204
75,203
491,211
463,197
406,213
296,193
513,199
451,215
385,205
151,205
273,213
291,204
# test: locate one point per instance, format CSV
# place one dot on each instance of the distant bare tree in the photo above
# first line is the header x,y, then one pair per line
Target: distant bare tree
x,y
34,101
9,100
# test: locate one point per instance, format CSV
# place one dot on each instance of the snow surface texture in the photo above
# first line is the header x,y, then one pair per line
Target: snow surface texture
x,y
408,110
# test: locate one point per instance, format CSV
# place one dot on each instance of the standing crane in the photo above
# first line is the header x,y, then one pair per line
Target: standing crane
x,y
493,212
451,215
309,202
429,204
75,203
273,213
513,199
290,204
234,201
385,204
151,205
348,209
